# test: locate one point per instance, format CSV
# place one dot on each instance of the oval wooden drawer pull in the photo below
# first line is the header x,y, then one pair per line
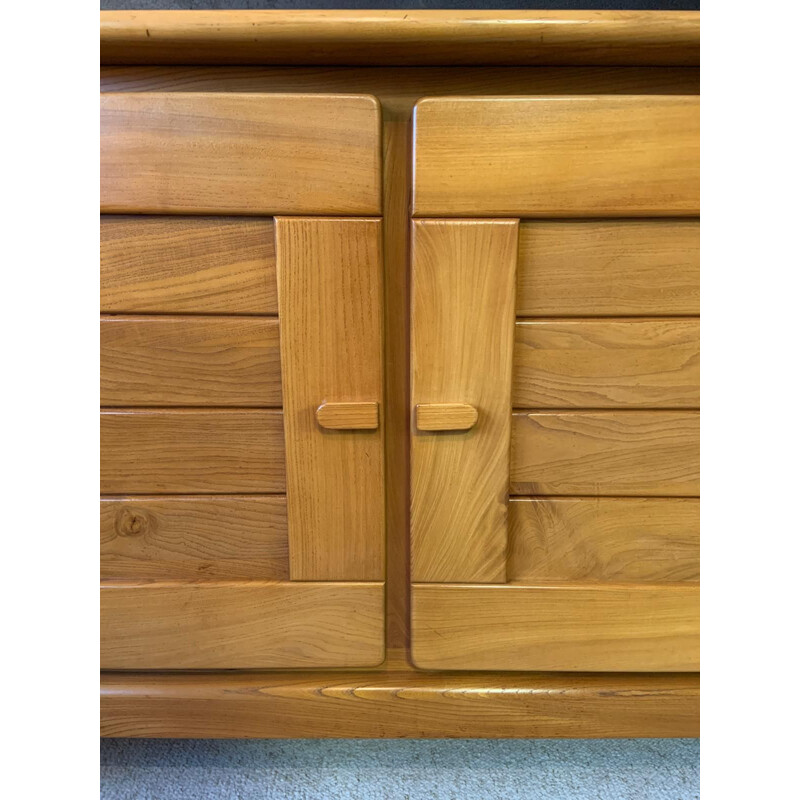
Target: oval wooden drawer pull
x,y
446,416
348,416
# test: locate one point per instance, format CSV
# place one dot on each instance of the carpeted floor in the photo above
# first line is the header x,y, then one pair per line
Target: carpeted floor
x,y
612,769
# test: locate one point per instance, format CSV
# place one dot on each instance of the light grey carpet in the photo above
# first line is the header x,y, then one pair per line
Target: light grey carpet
x,y
470,769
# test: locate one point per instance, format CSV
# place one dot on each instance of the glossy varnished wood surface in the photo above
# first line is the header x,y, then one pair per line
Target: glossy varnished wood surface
x,y
240,625
197,265
401,702
396,310
591,363
613,539
330,292
188,451
565,627
462,329
399,37
606,453
217,153
194,538
398,88
594,156
445,416
357,416
605,268
189,361
397,702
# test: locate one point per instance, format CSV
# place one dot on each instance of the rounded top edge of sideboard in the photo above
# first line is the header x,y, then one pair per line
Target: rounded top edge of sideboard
x,y
401,38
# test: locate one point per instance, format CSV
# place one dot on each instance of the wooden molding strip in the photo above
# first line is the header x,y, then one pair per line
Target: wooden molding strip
x,y
398,703
398,37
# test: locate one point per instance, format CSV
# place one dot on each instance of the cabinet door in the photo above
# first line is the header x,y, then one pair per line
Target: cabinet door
x,y
241,382
555,372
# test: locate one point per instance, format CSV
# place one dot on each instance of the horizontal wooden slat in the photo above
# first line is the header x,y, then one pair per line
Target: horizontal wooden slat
x,y
241,625
189,361
538,156
397,701
643,363
606,453
615,539
611,628
600,268
217,153
191,451
407,36
200,265
164,538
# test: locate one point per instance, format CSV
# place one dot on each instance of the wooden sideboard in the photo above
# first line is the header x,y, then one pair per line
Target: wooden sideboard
x,y
399,374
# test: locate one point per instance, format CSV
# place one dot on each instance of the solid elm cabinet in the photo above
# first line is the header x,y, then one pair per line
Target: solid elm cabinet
x,y
399,374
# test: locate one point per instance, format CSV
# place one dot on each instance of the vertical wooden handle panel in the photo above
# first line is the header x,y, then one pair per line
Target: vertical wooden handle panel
x,y
462,334
330,296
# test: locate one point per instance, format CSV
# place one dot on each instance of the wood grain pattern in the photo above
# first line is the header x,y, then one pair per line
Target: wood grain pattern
x,y
641,363
399,703
606,453
292,704
241,625
399,37
191,451
613,539
602,268
397,396
566,627
201,265
330,291
190,538
189,361
550,157
348,416
462,328
216,153
398,88
445,416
